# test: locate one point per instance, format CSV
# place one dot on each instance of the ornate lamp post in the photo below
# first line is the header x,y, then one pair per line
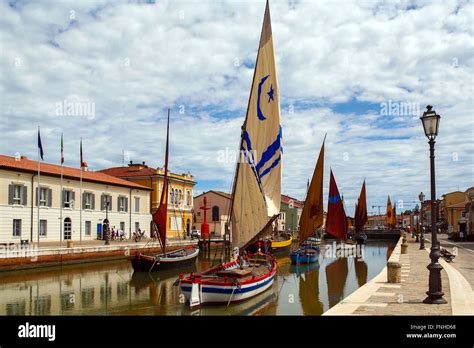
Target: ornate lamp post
x,y
421,197
430,121
107,225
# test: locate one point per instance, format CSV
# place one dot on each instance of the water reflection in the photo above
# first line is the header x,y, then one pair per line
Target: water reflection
x,y
112,288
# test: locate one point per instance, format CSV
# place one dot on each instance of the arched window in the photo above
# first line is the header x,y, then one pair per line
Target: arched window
x,y
172,196
215,213
180,200
188,198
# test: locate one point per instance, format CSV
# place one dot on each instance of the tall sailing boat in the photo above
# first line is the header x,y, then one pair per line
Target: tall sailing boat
x,y
312,216
256,192
360,216
336,222
171,259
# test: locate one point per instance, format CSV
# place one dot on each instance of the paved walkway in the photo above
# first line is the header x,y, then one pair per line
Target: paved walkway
x,y
378,297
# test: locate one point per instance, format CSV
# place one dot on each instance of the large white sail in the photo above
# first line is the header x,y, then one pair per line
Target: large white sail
x,y
257,189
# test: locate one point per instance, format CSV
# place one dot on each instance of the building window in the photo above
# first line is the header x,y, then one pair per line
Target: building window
x,y
188,198
88,228
137,204
16,227
122,226
172,196
104,199
180,197
17,194
215,213
137,226
68,199
43,196
122,204
67,229
88,201
43,228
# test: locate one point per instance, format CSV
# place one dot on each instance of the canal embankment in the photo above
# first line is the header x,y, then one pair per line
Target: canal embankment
x,y
18,257
379,297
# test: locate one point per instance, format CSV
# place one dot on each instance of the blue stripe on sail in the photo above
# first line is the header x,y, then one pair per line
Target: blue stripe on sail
x,y
334,199
230,289
274,164
269,152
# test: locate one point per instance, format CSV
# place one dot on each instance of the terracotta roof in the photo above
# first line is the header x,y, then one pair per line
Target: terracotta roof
x,y
296,202
129,171
24,164
220,193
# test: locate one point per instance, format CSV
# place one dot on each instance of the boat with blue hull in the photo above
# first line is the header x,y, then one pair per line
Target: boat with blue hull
x,y
305,255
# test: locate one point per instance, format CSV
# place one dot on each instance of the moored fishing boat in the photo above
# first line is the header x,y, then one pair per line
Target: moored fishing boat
x,y
171,259
256,193
312,216
336,222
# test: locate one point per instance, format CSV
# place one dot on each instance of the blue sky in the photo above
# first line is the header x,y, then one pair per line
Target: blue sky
x,y
341,65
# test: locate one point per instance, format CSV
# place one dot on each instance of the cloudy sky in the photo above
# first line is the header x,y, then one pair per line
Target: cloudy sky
x,y
360,71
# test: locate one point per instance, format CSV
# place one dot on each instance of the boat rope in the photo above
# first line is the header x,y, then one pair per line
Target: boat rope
x,y
152,266
236,284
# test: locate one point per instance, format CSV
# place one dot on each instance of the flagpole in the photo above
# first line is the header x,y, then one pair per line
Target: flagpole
x,y
61,210
80,203
39,193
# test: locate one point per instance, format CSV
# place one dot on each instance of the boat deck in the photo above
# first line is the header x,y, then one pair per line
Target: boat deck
x,y
244,273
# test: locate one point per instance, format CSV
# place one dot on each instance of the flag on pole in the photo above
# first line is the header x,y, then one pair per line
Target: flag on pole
x,y
40,145
62,149
83,164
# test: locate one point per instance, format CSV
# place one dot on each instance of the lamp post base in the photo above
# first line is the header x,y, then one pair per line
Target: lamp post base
x,y
435,293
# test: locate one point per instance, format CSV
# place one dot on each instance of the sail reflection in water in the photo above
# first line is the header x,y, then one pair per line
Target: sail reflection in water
x,y
112,288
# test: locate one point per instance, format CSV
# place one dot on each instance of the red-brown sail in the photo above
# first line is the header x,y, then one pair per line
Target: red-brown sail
x,y
160,216
360,217
336,222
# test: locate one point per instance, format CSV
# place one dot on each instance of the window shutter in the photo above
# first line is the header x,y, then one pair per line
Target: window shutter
x,y
83,200
63,198
50,197
118,203
102,202
37,197
109,199
74,199
11,188
93,202
126,204
24,196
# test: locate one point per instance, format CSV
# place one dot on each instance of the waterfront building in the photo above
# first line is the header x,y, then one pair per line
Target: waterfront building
x,y
180,191
128,207
376,222
290,213
452,206
218,215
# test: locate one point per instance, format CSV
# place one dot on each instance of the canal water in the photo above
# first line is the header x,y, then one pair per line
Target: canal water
x,y
112,288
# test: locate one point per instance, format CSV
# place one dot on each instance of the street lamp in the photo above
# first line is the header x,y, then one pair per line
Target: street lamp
x,y
107,225
421,197
430,121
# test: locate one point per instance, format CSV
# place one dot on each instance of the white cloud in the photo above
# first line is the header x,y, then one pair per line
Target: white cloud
x,y
133,61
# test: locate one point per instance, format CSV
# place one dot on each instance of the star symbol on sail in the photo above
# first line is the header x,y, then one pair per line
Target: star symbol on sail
x,y
270,93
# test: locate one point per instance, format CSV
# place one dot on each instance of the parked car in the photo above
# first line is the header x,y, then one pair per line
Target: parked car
x,y
195,234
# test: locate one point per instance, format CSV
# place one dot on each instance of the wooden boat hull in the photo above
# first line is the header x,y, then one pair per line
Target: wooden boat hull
x,y
222,292
155,263
273,246
305,255
360,238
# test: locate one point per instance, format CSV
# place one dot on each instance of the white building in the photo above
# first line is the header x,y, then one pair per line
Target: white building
x,y
129,203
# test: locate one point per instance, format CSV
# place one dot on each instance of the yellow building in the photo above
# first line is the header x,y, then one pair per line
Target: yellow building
x,y
452,207
180,191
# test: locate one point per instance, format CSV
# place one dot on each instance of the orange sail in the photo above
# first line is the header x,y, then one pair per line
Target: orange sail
x,y
360,217
160,216
313,213
390,217
336,222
